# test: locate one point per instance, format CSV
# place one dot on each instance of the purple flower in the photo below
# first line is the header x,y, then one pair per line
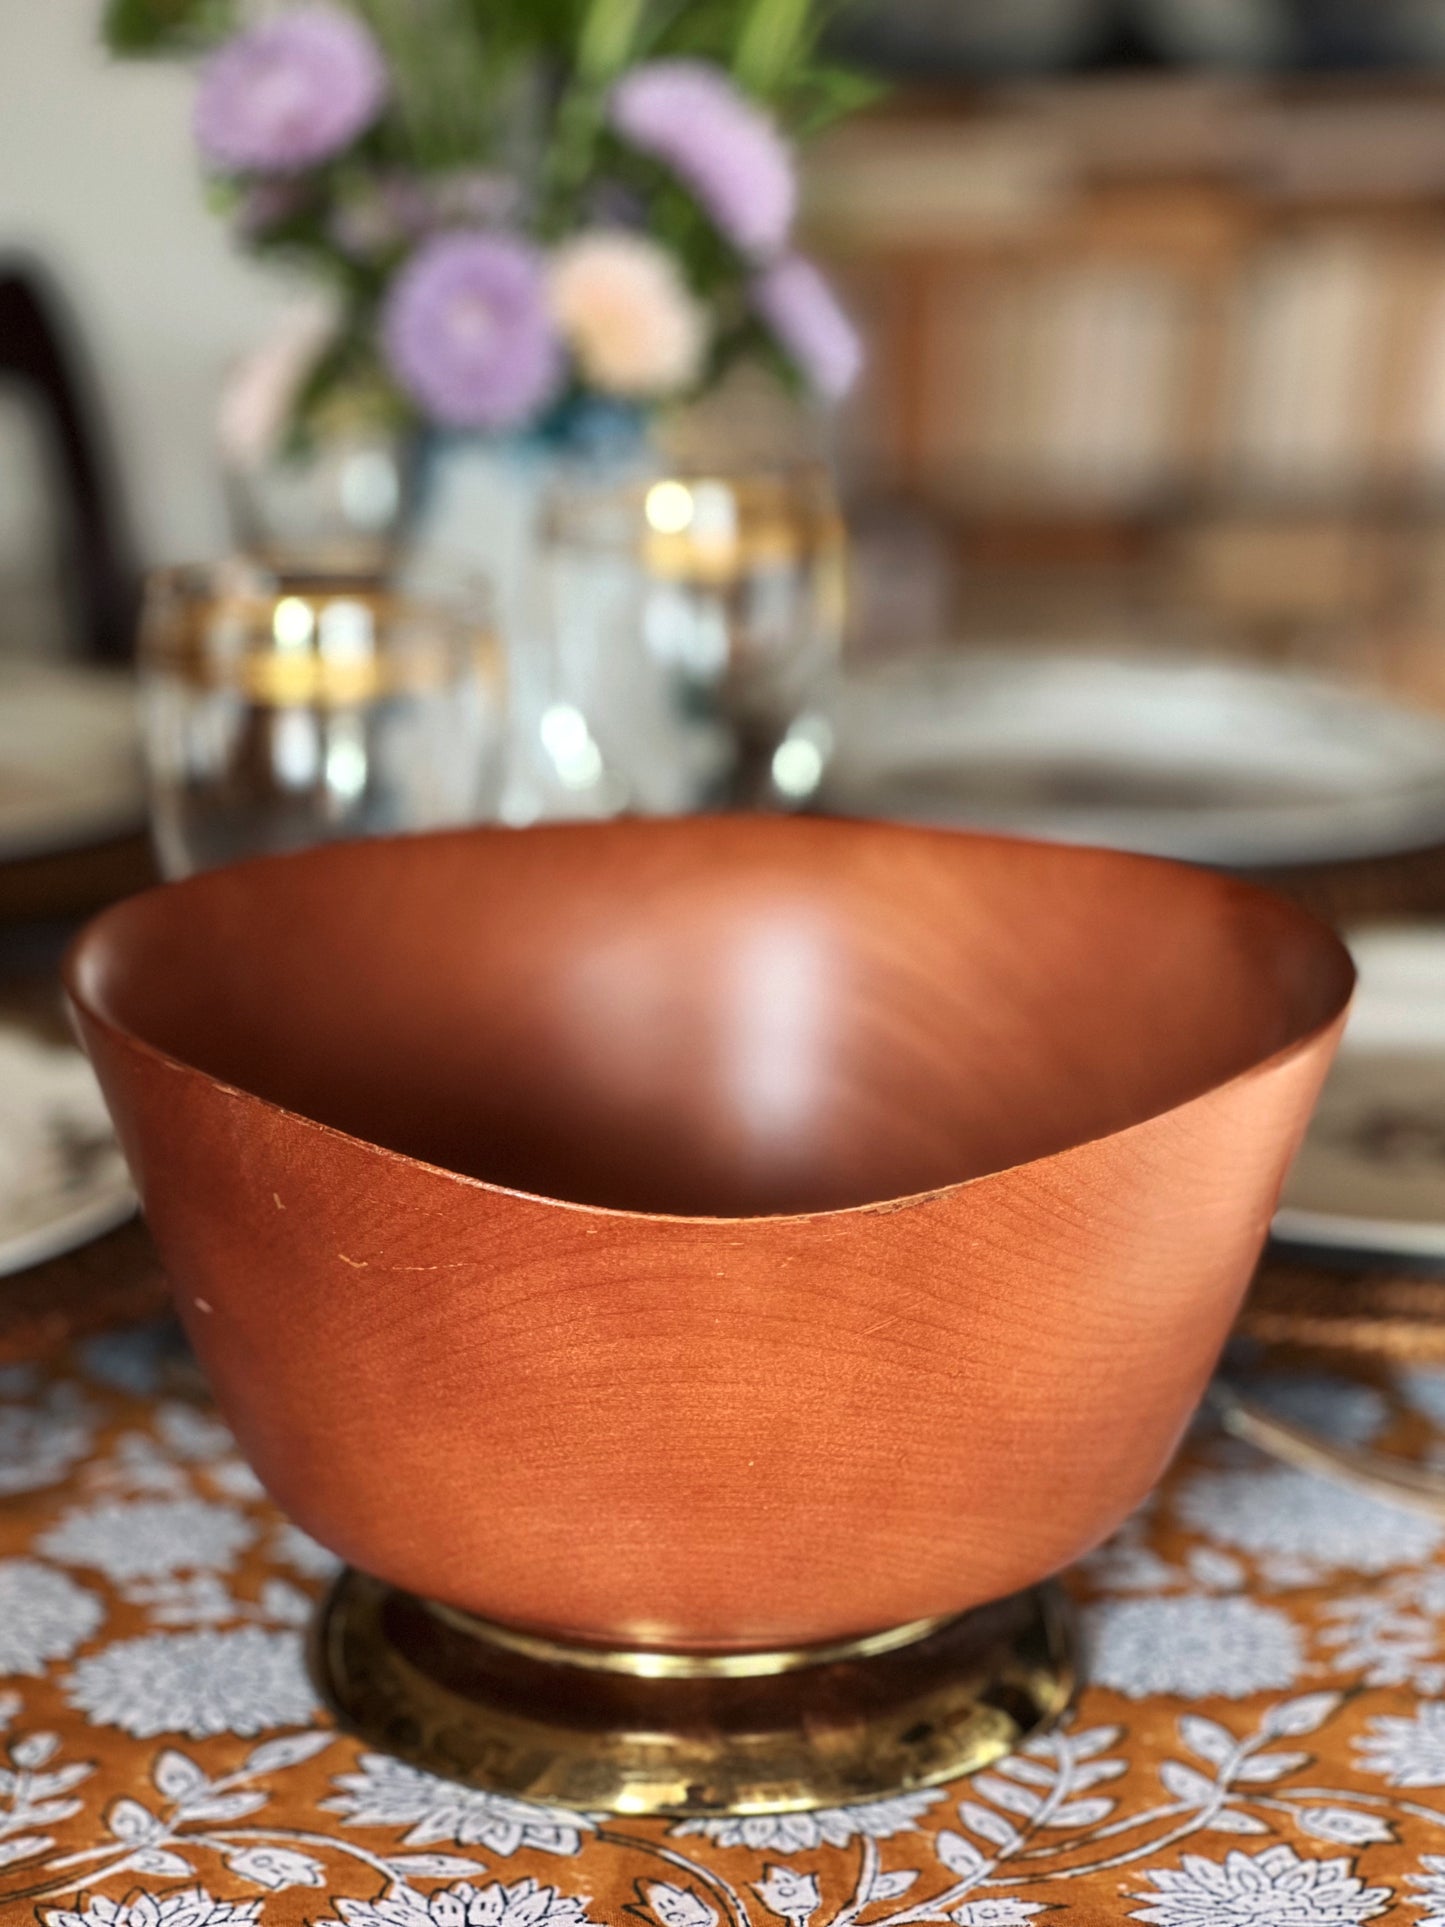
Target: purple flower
x,y
689,115
468,334
804,314
290,92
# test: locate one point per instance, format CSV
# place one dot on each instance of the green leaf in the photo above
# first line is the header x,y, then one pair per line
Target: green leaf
x,y
447,78
696,29
138,27
775,37
608,38
829,94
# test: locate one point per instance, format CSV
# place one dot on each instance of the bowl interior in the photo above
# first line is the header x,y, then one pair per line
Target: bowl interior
x,y
714,1018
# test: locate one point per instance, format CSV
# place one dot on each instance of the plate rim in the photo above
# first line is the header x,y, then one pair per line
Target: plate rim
x,y
95,820
86,1220
1298,1228
1401,818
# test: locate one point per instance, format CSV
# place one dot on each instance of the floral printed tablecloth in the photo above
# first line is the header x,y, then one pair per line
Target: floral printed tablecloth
x,y
1262,1743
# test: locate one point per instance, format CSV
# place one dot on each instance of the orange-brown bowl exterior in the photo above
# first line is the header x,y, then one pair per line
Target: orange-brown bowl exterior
x,y
931,1383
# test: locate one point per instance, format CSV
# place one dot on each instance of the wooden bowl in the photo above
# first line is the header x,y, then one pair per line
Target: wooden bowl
x,y
726,1233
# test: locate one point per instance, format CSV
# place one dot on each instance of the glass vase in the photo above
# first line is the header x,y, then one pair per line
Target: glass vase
x,y
343,507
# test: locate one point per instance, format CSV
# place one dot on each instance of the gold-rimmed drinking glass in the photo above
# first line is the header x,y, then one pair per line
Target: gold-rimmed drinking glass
x,y
282,710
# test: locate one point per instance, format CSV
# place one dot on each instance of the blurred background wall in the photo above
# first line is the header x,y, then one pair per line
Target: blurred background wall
x,y
1157,349
98,182
1156,298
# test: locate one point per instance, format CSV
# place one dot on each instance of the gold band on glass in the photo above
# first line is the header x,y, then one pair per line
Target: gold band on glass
x,y
311,643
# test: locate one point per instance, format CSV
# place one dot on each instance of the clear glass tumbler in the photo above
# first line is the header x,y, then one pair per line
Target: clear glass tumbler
x,y
285,710
693,619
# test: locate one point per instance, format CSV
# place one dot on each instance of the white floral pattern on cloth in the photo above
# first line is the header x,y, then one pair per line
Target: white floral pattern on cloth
x,y
1390,1634
1247,1890
523,1904
44,1615
205,1599
1279,1512
235,1479
190,1434
299,1550
386,1793
826,1827
1345,1408
132,1361
1408,1752
1194,1645
192,1907
997,1913
40,1441
1262,1740
1430,1882
200,1683
1423,1387
149,1538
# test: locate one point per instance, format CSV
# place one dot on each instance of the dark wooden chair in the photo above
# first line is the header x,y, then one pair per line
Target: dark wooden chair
x,y
38,349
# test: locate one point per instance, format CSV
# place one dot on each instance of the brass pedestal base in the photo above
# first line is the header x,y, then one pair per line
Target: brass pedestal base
x,y
664,1733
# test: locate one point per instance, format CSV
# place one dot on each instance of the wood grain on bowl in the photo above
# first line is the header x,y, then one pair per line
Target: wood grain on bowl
x,y
729,1232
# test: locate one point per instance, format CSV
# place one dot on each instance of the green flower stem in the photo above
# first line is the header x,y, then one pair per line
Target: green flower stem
x,y
771,43
571,156
608,38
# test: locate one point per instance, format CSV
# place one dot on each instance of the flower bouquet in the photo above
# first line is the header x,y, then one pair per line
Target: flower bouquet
x,y
536,223
518,207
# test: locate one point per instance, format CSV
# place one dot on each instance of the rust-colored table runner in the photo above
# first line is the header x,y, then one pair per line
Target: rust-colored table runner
x,y
1262,1743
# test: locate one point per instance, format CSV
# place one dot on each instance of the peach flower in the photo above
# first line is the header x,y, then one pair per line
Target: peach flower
x,y
625,311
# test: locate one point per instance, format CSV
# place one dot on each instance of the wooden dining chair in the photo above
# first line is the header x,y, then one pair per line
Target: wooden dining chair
x,y
39,352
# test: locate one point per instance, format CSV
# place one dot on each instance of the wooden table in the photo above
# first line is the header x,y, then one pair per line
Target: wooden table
x,y
115,1281
71,884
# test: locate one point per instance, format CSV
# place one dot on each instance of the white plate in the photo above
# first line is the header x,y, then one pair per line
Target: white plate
x,y
90,1217
70,759
1206,760
1371,1173
63,1180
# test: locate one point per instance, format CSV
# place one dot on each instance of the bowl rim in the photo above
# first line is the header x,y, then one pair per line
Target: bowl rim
x,y
1329,941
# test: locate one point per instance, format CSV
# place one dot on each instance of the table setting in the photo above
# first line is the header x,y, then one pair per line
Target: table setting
x,y
654,1269
1255,1733
1251,1651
